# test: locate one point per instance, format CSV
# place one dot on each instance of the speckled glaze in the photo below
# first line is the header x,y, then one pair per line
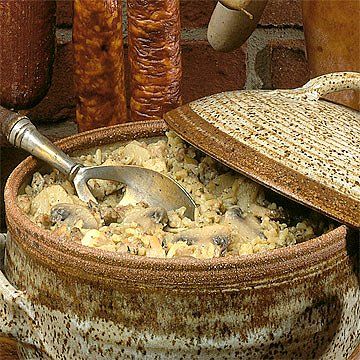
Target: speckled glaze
x,y
75,302
289,140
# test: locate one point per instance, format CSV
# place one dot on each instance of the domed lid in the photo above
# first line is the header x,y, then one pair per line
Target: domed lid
x,y
300,146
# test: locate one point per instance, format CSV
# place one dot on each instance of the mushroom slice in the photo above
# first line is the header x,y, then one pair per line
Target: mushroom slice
x,y
246,226
70,214
278,214
108,214
150,219
219,235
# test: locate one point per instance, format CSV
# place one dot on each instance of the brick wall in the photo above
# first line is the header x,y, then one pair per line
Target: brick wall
x,y
273,57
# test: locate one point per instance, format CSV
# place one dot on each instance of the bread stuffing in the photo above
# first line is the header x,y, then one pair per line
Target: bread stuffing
x,y
234,216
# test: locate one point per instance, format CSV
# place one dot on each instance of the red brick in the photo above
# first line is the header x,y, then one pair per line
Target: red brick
x,y
196,13
282,13
206,71
59,103
288,66
64,13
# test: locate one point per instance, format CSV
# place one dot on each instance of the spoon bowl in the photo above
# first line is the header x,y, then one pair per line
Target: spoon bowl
x,y
141,184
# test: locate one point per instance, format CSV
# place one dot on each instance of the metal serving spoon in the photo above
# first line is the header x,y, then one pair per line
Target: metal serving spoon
x,y
142,184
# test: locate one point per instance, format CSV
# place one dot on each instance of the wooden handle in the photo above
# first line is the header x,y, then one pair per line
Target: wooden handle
x,y
228,28
27,43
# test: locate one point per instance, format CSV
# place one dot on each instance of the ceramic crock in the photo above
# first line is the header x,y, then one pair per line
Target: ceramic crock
x,y
292,141
332,38
65,301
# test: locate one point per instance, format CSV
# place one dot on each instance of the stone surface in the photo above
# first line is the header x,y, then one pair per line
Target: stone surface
x,y
206,71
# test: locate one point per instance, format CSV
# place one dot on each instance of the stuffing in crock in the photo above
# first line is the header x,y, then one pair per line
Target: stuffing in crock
x,y
233,216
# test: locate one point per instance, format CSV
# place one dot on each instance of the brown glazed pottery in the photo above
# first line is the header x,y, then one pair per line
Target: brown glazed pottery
x,y
65,301
332,34
289,140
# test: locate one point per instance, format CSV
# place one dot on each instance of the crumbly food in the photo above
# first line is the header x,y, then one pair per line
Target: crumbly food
x,y
233,215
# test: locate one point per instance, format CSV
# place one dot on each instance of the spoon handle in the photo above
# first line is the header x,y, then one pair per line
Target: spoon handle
x,y
20,132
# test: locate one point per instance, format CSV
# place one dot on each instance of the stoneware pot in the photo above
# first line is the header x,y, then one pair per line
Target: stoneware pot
x,y
292,141
332,34
65,301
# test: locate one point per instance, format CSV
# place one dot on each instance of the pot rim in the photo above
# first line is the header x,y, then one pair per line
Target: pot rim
x,y
94,264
